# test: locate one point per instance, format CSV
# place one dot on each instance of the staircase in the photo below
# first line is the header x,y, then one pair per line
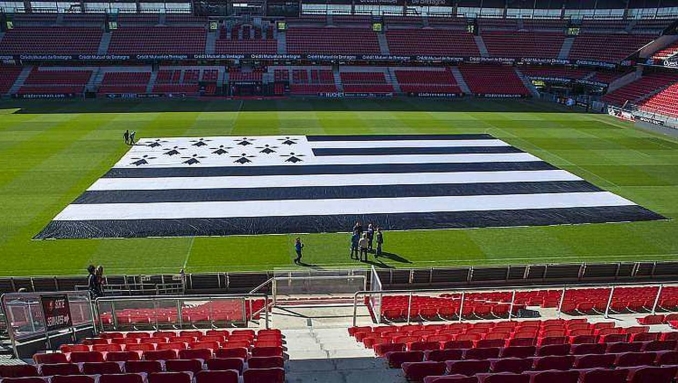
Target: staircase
x,y
528,84
329,355
424,21
2,34
60,18
383,44
393,80
337,79
162,19
481,46
460,80
520,24
103,44
20,80
151,81
565,49
211,42
282,43
96,80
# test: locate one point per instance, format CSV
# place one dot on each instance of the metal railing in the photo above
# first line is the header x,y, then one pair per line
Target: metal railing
x,y
177,311
513,290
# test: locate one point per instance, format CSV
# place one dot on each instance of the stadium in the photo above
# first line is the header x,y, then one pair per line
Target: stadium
x,y
340,191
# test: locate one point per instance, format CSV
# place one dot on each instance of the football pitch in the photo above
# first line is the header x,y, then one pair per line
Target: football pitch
x,y
54,150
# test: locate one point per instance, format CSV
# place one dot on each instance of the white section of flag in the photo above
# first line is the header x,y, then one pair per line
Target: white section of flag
x,y
233,209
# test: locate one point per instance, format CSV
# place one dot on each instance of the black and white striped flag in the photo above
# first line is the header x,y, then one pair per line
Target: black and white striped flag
x,y
271,184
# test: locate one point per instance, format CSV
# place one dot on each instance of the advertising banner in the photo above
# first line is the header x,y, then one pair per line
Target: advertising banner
x,y
57,312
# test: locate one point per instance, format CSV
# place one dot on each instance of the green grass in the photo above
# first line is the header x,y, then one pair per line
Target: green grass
x,y
51,151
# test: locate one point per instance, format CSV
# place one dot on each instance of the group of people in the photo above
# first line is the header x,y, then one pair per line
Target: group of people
x,y
95,281
129,137
362,242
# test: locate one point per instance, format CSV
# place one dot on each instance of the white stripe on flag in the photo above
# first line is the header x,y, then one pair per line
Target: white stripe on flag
x,y
404,144
329,180
248,209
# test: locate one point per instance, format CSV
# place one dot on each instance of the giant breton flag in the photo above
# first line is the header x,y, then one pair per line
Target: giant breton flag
x,y
217,186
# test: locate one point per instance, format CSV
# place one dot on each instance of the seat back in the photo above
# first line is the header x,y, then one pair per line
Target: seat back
x,y
178,365
604,375
72,379
595,361
226,364
263,375
202,353
481,353
169,377
122,356
223,376
588,348
507,377
653,375
98,368
86,356
467,367
267,351
53,357
443,355
59,369
160,355
240,352
146,366
18,370
266,362
554,376
121,378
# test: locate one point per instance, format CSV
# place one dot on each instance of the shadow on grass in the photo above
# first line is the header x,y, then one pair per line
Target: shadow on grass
x,y
405,104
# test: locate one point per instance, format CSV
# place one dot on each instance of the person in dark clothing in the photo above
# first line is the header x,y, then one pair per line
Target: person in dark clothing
x,y
92,284
297,247
380,241
132,138
354,245
126,136
363,243
370,236
99,273
358,227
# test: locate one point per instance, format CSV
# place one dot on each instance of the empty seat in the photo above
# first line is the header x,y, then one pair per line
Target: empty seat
x,y
146,366
226,364
481,353
513,365
632,359
99,368
443,355
666,358
86,356
60,369
553,363
594,361
121,378
264,375
553,349
588,348
122,356
239,352
416,371
203,354
653,375
458,344
423,346
504,377
178,365
554,376
619,347
267,351
382,349
467,367
160,355
107,347
72,379
53,357
223,376
32,379
397,358
169,377
518,352
266,362
18,370
603,375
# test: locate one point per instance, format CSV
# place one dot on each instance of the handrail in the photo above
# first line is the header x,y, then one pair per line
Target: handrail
x,y
463,291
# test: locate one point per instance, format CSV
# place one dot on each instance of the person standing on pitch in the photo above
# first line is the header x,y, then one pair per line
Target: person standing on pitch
x,y
380,241
358,227
370,236
126,136
355,238
297,247
131,137
363,243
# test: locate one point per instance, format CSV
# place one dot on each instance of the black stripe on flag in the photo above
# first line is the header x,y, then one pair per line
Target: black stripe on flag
x,y
332,192
367,168
406,151
341,223
401,137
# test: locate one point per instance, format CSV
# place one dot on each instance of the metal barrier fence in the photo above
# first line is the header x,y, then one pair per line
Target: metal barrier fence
x,y
463,293
170,312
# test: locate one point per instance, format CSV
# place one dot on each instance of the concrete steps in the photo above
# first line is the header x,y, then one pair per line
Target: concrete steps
x,y
104,43
528,84
565,48
481,46
211,42
151,81
383,44
331,356
460,80
282,43
20,80
337,79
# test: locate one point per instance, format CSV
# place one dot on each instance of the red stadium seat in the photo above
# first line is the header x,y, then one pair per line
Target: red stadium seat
x,y
122,356
266,362
121,378
203,354
481,353
18,370
226,364
397,358
594,361
603,375
160,355
169,377
267,351
60,369
467,367
72,379
223,376
54,357
264,375
145,366
653,375
99,368
513,365
86,356
231,353
33,379
554,376
416,371
443,355
178,365
450,379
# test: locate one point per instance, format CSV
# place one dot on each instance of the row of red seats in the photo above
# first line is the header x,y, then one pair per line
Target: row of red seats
x,y
596,375
664,102
124,356
252,375
142,366
656,319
